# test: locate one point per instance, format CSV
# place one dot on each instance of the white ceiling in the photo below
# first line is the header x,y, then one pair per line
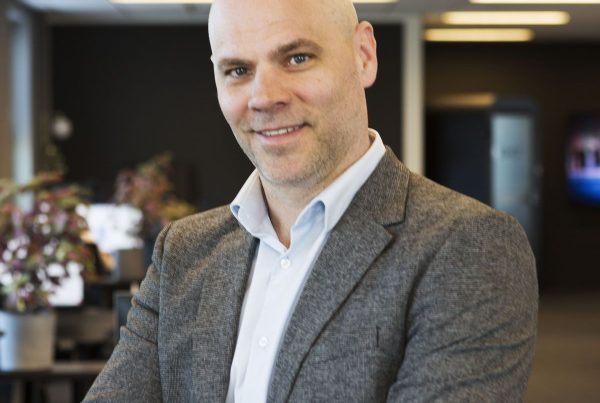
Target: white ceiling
x,y
584,25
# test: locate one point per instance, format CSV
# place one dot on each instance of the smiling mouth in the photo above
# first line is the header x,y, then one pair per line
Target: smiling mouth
x,y
278,132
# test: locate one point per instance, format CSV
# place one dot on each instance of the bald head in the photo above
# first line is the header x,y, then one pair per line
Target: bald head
x,y
338,14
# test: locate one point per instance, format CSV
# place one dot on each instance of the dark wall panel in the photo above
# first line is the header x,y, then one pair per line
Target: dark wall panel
x,y
133,92
384,98
563,80
456,145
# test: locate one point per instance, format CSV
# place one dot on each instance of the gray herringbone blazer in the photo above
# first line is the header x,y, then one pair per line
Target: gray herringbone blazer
x,y
420,294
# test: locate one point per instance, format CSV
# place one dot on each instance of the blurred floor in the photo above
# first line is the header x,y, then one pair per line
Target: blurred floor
x,y
566,367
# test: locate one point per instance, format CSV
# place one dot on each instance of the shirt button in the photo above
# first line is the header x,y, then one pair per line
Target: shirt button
x,y
285,263
263,341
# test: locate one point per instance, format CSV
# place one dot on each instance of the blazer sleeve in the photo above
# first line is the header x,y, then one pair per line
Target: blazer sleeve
x,y
132,372
473,318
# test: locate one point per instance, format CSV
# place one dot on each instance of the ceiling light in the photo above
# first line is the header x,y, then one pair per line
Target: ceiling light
x,y
505,18
467,100
210,1
161,1
478,35
567,2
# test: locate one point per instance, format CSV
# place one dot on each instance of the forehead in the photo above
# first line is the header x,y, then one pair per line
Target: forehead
x,y
244,26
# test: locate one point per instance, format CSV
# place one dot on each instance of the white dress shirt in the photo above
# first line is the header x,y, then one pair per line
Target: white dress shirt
x,y
278,274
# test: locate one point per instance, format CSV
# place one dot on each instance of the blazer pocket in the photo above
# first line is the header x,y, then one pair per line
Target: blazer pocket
x,y
370,342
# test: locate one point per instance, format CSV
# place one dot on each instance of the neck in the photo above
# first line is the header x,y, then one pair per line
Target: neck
x,y
285,203
284,207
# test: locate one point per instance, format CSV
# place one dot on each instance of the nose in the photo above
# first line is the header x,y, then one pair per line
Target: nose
x,y
269,91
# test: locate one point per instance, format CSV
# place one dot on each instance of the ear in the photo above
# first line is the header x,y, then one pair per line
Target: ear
x,y
366,51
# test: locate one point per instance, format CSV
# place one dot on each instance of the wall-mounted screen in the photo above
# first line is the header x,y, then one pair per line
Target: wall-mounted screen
x,y
583,160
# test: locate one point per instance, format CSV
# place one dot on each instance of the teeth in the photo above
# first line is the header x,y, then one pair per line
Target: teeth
x,y
271,133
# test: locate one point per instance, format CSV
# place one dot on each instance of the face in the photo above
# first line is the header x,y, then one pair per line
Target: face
x,y
290,81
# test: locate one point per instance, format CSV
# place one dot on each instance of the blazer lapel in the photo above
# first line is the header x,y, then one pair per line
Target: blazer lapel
x,y
218,315
353,245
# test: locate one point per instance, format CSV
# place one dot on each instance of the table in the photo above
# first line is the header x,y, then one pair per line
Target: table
x,y
81,374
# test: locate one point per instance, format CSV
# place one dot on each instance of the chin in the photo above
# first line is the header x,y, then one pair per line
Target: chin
x,y
277,177
280,179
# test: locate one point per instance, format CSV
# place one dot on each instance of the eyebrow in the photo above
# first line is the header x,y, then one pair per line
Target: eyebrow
x,y
294,45
275,54
229,62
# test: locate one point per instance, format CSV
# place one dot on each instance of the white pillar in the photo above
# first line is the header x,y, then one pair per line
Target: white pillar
x,y
5,106
21,93
413,105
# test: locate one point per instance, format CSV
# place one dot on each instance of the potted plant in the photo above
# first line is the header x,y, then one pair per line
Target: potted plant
x,y
38,246
149,188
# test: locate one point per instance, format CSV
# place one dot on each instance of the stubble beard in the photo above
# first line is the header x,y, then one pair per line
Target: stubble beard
x,y
328,157
319,164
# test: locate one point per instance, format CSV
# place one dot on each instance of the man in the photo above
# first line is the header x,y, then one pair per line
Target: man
x,y
336,274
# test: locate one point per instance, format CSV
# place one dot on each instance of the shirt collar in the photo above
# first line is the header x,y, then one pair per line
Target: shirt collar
x,y
249,207
250,210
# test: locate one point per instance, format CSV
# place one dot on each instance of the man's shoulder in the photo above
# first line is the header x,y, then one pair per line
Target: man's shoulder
x,y
212,223
216,216
393,193
430,203
427,195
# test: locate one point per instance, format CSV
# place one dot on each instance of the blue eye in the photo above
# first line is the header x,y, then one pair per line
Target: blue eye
x,y
299,59
237,72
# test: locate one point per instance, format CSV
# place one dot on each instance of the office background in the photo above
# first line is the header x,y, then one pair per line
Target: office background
x,y
134,87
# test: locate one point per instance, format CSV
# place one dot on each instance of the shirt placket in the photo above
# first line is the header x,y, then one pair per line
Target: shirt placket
x,y
266,336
